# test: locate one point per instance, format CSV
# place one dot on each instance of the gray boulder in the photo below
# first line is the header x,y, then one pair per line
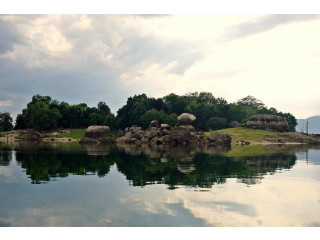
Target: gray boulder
x,y
29,135
233,124
186,118
180,134
219,139
165,126
268,122
135,129
154,123
97,132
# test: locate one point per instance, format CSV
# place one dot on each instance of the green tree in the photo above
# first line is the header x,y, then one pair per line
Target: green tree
x,y
5,121
216,123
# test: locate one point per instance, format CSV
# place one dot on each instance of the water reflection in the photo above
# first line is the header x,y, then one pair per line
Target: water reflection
x,y
192,166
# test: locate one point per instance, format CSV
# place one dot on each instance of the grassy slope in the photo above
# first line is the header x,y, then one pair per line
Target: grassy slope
x,y
76,133
246,134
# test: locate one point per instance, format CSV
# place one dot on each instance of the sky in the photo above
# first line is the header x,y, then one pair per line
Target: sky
x,y
92,58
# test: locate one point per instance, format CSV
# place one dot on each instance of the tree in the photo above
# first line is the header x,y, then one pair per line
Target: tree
x,y
5,122
251,101
216,123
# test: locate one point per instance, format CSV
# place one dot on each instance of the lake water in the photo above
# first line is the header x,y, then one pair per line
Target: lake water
x,y
69,184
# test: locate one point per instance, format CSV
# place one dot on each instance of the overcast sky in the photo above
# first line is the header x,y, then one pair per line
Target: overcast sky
x,y
92,58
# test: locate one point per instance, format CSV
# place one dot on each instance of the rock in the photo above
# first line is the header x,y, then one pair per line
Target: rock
x,y
145,140
138,142
219,139
188,126
126,129
88,140
107,140
165,132
165,126
135,129
268,122
186,118
97,132
233,124
154,123
127,136
120,133
136,135
166,139
121,140
29,135
154,141
133,140
151,133
180,135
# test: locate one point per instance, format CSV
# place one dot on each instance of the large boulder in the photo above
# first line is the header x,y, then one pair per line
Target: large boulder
x,y
154,123
180,135
97,132
219,139
233,124
186,118
29,135
268,122
135,129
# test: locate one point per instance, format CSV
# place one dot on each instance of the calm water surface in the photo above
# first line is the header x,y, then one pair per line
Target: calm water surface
x,y
70,184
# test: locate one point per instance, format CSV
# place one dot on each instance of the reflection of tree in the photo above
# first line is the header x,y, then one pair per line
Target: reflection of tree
x,y
5,157
174,166
44,165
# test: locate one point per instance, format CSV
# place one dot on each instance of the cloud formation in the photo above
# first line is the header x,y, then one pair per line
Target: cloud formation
x,y
92,58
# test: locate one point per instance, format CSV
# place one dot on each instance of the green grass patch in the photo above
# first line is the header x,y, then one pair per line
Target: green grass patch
x,y
76,133
245,134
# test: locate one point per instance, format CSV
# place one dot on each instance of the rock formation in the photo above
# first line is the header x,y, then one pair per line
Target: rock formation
x,y
184,132
219,139
268,122
97,132
29,135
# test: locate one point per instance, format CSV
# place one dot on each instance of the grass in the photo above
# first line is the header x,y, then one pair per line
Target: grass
x,y
76,133
245,134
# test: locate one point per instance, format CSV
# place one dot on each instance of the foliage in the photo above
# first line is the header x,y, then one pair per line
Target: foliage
x,y
43,113
5,121
215,123
160,116
211,112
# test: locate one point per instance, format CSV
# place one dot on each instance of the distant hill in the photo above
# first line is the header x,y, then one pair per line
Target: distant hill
x,y
313,124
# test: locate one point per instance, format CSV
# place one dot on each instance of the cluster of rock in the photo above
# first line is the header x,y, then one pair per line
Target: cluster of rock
x,y
268,122
98,134
29,135
183,133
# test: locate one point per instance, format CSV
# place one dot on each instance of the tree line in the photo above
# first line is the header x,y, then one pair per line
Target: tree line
x,y
44,113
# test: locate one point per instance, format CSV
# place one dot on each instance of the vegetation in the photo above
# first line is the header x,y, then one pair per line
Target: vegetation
x,y
78,133
5,122
212,113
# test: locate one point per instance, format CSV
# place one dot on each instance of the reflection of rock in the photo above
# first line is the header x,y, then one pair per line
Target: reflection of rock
x,y
96,150
268,122
29,135
186,167
97,132
217,150
89,140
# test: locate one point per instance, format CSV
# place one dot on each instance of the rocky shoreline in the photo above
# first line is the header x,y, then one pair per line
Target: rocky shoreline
x,y
182,134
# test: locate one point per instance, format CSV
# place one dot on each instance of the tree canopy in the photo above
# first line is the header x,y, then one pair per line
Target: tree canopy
x,y
212,112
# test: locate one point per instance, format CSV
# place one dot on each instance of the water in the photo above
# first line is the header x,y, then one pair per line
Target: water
x,y
69,184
